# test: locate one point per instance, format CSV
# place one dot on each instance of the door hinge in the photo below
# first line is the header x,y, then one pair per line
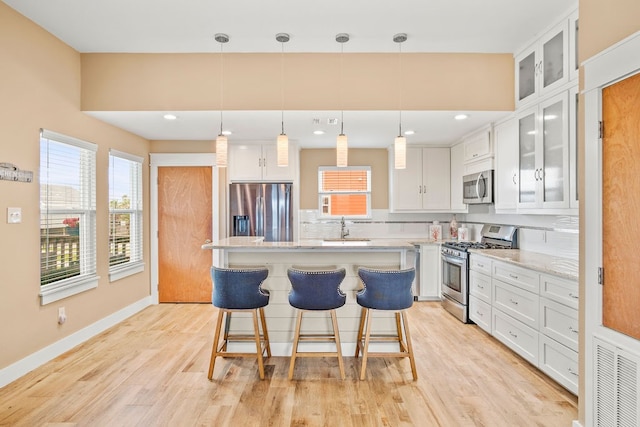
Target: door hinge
x,y
601,129
601,276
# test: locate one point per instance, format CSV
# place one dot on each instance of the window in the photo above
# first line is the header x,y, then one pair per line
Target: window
x,y
125,215
67,216
344,191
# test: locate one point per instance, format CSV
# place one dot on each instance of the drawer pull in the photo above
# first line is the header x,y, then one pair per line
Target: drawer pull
x,y
575,331
513,276
513,335
480,286
513,302
572,372
480,265
574,296
479,314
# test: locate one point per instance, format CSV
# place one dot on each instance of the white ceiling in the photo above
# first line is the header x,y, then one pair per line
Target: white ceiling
x,y
189,25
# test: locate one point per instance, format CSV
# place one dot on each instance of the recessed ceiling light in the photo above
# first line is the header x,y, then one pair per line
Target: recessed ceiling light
x,y
170,117
409,132
318,132
226,132
460,116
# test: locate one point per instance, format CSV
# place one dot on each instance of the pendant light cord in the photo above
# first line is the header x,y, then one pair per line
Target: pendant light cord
x,y
400,90
282,83
341,89
221,84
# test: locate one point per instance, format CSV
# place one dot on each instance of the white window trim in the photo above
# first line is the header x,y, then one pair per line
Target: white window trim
x,y
65,288
322,194
120,271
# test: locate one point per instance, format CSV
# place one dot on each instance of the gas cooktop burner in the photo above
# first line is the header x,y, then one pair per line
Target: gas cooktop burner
x,y
463,246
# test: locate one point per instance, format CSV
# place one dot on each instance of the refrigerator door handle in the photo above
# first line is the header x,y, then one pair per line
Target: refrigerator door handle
x,y
259,216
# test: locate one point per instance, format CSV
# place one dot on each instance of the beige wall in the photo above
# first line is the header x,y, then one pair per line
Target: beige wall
x,y
439,81
602,24
310,159
40,88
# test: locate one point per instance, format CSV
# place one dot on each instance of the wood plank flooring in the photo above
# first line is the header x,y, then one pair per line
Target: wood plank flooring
x,y
151,370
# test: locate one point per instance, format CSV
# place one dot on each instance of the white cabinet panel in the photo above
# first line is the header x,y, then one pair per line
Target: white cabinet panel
x,y
457,172
425,183
258,162
480,286
478,146
523,278
518,303
560,290
514,334
480,313
480,263
506,159
559,322
430,272
560,363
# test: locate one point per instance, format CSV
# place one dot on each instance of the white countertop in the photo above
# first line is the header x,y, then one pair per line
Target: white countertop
x,y
259,243
563,267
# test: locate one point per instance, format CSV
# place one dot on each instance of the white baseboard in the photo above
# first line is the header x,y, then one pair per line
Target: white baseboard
x,y
576,423
40,357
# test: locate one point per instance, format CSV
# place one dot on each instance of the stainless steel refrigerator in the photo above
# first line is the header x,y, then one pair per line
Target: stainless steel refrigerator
x,y
261,209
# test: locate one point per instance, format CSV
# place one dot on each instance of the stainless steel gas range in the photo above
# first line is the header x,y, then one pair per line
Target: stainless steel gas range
x,y
455,266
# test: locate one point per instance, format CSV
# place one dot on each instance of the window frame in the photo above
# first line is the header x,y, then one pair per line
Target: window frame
x,y
87,278
323,194
136,237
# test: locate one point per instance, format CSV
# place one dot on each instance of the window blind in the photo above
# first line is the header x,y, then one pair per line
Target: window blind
x,y
344,191
125,212
67,212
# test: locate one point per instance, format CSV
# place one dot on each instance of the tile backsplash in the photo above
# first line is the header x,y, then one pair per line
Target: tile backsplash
x,y
552,235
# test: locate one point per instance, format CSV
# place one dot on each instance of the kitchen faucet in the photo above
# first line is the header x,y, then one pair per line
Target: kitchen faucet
x,y
343,232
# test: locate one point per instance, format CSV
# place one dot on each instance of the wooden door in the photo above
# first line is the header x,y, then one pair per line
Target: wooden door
x,y
184,223
621,205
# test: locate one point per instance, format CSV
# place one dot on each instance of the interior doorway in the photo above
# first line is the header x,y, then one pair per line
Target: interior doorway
x,y
184,215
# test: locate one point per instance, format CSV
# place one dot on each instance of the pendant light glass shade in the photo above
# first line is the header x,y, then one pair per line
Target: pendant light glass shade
x,y
342,146
221,140
342,151
282,150
221,151
282,142
400,142
400,152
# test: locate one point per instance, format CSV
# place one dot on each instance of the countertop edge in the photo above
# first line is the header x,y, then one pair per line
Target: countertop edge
x,y
549,264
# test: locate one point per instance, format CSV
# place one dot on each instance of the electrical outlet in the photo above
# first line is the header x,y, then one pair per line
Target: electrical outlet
x,y
62,315
14,215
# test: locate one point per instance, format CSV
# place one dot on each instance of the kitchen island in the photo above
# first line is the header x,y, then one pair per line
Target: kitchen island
x,y
312,254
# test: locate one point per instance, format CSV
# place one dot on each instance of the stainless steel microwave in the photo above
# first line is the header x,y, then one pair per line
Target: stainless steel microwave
x,y
477,188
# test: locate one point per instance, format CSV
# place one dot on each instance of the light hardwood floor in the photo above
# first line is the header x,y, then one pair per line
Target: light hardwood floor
x,y
151,370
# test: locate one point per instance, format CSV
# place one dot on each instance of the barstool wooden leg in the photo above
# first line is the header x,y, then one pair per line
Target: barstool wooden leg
x,y
256,330
227,326
363,316
365,350
265,334
409,346
401,342
214,349
294,350
336,335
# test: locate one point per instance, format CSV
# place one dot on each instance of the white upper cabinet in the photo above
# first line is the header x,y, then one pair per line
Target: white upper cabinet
x,y
544,66
258,162
543,142
425,184
573,147
478,146
506,172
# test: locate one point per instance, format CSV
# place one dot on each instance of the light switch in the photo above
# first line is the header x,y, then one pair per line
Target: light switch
x,y
14,215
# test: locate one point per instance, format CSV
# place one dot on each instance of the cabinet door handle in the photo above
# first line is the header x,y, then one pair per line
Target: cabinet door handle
x,y
424,189
419,189
514,179
536,174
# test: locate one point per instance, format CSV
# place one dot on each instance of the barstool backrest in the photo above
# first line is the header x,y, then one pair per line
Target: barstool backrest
x,y
316,290
239,288
386,289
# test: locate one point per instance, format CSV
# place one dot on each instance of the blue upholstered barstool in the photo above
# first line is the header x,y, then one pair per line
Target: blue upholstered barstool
x,y
239,289
388,290
316,290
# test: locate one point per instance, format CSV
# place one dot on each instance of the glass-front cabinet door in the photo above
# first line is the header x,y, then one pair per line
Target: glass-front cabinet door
x,y
543,143
528,170
555,147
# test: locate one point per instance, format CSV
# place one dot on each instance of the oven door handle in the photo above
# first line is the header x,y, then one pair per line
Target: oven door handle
x,y
453,260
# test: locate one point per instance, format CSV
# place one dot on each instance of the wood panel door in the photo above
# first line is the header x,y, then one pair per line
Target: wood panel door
x,y
184,223
621,206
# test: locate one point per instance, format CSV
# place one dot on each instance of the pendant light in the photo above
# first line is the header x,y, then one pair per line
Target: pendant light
x,y
282,145
342,147
400,142
221,140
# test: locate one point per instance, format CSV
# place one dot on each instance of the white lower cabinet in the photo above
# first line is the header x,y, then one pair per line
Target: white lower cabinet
x,y
534,314
516,335
430,273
